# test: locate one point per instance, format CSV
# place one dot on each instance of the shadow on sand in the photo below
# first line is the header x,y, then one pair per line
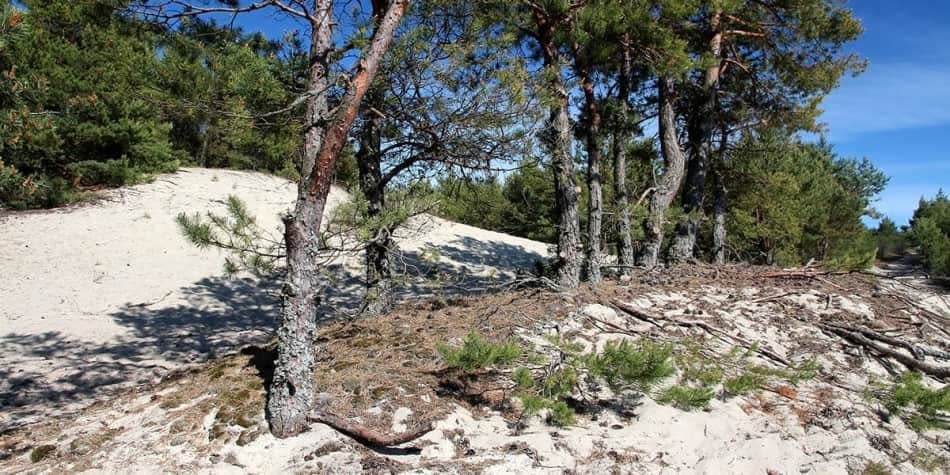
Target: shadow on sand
x,y
53,372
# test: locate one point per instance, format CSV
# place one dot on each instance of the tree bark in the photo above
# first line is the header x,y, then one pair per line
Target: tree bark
x,y
719,201
595,198
701,124
719,220
379,286
625,232
291,393
557,140
669,183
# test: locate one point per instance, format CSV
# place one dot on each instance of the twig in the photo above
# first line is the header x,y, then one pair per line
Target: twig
x,y
151,302
772,297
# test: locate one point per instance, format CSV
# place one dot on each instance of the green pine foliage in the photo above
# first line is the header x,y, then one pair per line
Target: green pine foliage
x,y
923,408
792,201
477,353
91,96
687,397
626,365
930,231
218,88
250,247
891,241
80,81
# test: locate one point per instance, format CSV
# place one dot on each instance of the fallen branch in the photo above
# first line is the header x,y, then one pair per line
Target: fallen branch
x,y
803,274
941,372
772,297
365,435
918,351
641,315
635,312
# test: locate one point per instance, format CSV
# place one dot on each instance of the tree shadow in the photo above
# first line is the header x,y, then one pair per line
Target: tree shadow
x,y
54,372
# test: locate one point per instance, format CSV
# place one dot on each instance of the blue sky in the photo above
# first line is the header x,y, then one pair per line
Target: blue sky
x,y
898,112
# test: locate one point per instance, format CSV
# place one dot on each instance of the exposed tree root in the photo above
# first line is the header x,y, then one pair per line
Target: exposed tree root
x,y
854,336
918,351
367,436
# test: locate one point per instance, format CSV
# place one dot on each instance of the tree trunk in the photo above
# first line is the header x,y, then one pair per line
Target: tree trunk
x,y
625,232
379,286
595,202
701,124
719,200
669,183
557,140
719,220
292,390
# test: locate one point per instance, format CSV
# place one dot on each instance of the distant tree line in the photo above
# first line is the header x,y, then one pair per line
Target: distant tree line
x,y
928,234
91,98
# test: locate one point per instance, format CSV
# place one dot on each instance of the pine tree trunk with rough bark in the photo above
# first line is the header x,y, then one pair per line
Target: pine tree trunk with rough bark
x,y
701,124
557,140
625,254
668,186
595,213
719,220
291,393
379,285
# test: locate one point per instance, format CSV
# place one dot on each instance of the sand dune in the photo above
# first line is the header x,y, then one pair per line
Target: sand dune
x,y
109,293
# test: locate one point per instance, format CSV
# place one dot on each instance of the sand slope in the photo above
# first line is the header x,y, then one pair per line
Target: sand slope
x,y
109,293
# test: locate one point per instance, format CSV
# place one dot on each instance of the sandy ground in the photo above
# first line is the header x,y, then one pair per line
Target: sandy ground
x,y
384,372
109,293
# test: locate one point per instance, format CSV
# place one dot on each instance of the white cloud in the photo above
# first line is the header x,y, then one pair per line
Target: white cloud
x,y
892,96
899,202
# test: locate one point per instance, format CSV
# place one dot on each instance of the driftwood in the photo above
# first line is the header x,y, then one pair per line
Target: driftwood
x,y
942,372
367,436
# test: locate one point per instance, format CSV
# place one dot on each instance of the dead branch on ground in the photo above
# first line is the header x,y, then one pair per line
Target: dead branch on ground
x,y
726,337
941,372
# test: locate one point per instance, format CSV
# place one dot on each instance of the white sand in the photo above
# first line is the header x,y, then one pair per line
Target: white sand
x,y
109,292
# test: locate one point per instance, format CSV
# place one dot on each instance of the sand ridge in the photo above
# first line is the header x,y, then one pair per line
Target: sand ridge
x,y
109,293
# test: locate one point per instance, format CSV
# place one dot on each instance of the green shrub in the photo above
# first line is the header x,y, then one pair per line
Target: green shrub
x,y
559,413
624,365
687,397
930,230
41,452
111,173
744,383
14,187
477,353
922,407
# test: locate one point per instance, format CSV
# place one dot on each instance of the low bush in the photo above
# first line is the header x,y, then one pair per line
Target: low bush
x,y
922,407
478,353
